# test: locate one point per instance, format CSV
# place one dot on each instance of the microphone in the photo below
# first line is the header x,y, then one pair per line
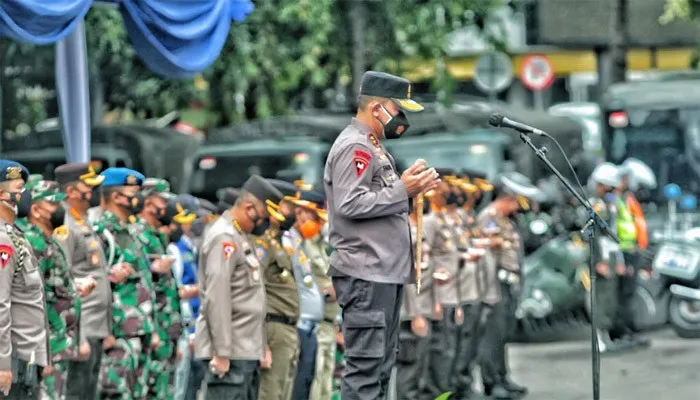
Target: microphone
x,y
499,121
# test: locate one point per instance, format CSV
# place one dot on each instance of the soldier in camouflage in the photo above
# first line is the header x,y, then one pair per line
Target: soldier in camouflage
x,y
153,221
43,228
124,373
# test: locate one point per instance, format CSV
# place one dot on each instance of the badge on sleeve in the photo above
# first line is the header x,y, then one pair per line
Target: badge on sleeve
x,y
6,251
229,249
361,160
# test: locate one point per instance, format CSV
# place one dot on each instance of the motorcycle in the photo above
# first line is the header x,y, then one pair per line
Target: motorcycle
x,y
678,262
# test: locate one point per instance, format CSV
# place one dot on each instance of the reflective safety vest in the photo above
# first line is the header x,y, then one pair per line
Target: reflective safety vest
x,y
639,221
626,229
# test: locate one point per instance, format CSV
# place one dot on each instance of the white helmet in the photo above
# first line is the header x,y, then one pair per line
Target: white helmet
x,y
606,174
640,175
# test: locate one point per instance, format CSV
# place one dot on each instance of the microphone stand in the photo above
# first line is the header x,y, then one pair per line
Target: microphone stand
x,y
594,221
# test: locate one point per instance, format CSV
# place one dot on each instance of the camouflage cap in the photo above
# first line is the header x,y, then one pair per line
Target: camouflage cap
x,y
153,186
34,178
42,190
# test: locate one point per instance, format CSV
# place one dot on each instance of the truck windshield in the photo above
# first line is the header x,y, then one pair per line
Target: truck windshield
x,y
232,170
479,157
658,138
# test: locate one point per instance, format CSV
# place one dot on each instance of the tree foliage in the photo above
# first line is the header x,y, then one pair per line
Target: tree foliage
x,y
287,54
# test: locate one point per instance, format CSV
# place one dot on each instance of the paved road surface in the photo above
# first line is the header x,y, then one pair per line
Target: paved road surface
x,y
670,369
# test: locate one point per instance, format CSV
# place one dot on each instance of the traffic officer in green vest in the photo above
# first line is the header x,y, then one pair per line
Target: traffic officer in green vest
x,y
282,300
230,332
86,258
504,261
24,348
630,216
126,366
44,230
604,181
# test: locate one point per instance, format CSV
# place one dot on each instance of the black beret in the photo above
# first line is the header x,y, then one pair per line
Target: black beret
x,y
262,189
286,188
206,207
470,173
445,171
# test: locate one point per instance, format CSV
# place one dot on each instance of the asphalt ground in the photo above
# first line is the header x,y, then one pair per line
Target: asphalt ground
x,y
668,370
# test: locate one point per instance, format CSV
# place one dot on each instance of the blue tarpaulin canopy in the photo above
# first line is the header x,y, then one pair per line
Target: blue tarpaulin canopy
x,y
174,38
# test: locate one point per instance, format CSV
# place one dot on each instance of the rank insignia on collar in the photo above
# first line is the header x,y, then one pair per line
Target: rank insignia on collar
x,y
360,165
13,173
6,251
61,233
229,248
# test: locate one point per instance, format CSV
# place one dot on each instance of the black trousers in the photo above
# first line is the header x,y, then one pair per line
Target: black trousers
x,y
306,366
370,327
499,326
25,383
442,354
198,369
82,378
411,362
626,287
467,349
241,382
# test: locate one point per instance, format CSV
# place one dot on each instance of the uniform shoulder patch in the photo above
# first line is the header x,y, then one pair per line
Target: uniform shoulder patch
x,y
6,251
228,248
363,155
360,164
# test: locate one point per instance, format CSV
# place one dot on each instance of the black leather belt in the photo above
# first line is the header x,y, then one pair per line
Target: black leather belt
x,y
329,320
282,319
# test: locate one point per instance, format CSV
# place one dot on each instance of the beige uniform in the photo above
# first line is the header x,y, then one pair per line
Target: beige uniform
x,y
501,263
468,284
414,303
22,312
233,307
443,255
86,257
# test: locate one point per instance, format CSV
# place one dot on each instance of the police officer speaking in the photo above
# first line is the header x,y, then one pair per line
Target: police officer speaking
x,y
369,232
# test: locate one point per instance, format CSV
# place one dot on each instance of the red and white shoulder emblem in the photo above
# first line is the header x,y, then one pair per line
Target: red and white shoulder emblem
x,y
229,248
6,252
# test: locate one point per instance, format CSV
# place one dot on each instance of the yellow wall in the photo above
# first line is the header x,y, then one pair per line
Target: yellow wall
x,y
565,62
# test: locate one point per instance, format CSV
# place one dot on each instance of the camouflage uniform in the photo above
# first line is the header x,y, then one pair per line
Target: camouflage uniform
x,y
167,315
125,369
62,301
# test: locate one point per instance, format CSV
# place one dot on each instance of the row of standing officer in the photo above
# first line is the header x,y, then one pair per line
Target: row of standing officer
x,y
92,306
267,322
471,270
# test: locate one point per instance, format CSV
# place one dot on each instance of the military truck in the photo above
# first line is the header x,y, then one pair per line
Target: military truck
x,y
154,151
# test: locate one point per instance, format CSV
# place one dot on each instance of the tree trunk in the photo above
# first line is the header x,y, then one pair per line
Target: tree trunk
x,y
358,17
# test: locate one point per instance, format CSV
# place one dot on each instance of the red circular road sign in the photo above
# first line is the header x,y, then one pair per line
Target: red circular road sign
x,y
537,72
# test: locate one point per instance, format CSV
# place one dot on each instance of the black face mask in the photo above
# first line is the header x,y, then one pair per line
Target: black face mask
x,y
452,199
23,202
261,224
392,126
461,201
176,234
289,220
135,203
94,199
58,217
